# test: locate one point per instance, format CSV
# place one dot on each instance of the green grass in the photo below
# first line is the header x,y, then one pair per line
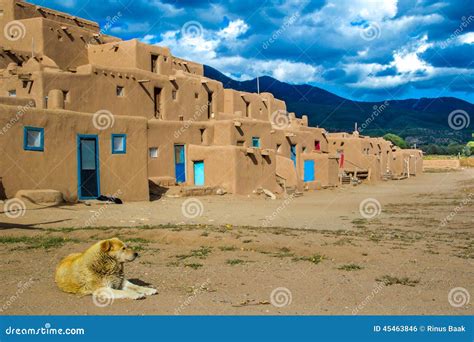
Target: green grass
x,y
201,253
194,266
234,262
36,242
137,244
228,248
350,267
389,280
283,253
315,258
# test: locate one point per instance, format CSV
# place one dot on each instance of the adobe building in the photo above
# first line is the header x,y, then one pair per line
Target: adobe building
x,y
87,114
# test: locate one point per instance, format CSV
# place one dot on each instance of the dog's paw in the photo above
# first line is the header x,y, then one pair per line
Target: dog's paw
x,y
149,291
137,295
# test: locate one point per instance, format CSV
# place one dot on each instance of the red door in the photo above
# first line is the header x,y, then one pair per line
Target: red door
x,y
341,161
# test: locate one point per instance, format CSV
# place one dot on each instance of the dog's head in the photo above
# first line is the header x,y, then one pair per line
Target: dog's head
x,y
118,250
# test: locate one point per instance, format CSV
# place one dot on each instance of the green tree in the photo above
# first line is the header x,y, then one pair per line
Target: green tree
x,y
396,140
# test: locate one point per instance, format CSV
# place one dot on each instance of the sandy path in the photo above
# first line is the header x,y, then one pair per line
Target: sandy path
x,y
339,263
325,209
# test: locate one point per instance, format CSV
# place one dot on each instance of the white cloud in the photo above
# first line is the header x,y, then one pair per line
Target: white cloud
x,y
168,10
467,38
203,47
233,30
407,59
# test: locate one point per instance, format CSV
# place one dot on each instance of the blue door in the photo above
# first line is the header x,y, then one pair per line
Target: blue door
x,y
308,170
180,163
88,166
293,153
199,173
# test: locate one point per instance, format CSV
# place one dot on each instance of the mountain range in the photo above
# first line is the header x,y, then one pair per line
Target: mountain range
x,y
420,121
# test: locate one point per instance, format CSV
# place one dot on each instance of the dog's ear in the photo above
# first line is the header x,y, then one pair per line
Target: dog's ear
x,y
105,246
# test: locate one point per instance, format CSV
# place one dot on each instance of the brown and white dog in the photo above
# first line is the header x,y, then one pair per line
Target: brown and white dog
x,y
100,268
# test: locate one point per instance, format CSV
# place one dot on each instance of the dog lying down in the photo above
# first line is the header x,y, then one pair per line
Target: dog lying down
x,y
100,268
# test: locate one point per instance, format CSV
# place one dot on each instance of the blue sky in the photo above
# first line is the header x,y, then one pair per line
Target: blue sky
x,y
360,49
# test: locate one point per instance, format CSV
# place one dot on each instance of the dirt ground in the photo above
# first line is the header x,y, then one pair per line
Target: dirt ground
x,y
315,254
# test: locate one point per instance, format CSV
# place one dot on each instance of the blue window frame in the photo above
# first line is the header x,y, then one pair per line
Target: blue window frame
x,y
119,143
256,142
33,139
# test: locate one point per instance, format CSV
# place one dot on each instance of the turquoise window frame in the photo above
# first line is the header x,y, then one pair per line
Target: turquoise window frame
x,y
124,136
27,129
256,142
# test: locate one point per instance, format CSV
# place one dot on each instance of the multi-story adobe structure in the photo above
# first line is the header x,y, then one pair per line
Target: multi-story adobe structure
x,y
87,114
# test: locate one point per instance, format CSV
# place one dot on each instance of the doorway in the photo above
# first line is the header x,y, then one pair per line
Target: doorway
x,y
88,166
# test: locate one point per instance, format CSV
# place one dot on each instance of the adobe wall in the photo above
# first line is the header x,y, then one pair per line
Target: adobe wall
x,y
57,167
246,105
57,35
239,132
134,54
163,135
326,168
189,102
234,169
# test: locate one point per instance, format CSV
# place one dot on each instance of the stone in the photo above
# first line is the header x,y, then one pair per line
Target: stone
x,y
40,196
269,194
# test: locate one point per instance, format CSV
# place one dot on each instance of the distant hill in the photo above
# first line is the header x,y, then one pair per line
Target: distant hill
x,y
422,121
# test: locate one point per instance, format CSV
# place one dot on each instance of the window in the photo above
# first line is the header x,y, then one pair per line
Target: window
x,y
209,104
240,142
202,131
304,149
256,142
12,93
196,95
33,139
317,145
119,144
120,91
278,147
174,94
154,63
66,96
153,152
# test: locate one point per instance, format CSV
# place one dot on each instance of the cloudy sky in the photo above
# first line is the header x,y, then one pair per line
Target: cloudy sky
x,y
360,49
